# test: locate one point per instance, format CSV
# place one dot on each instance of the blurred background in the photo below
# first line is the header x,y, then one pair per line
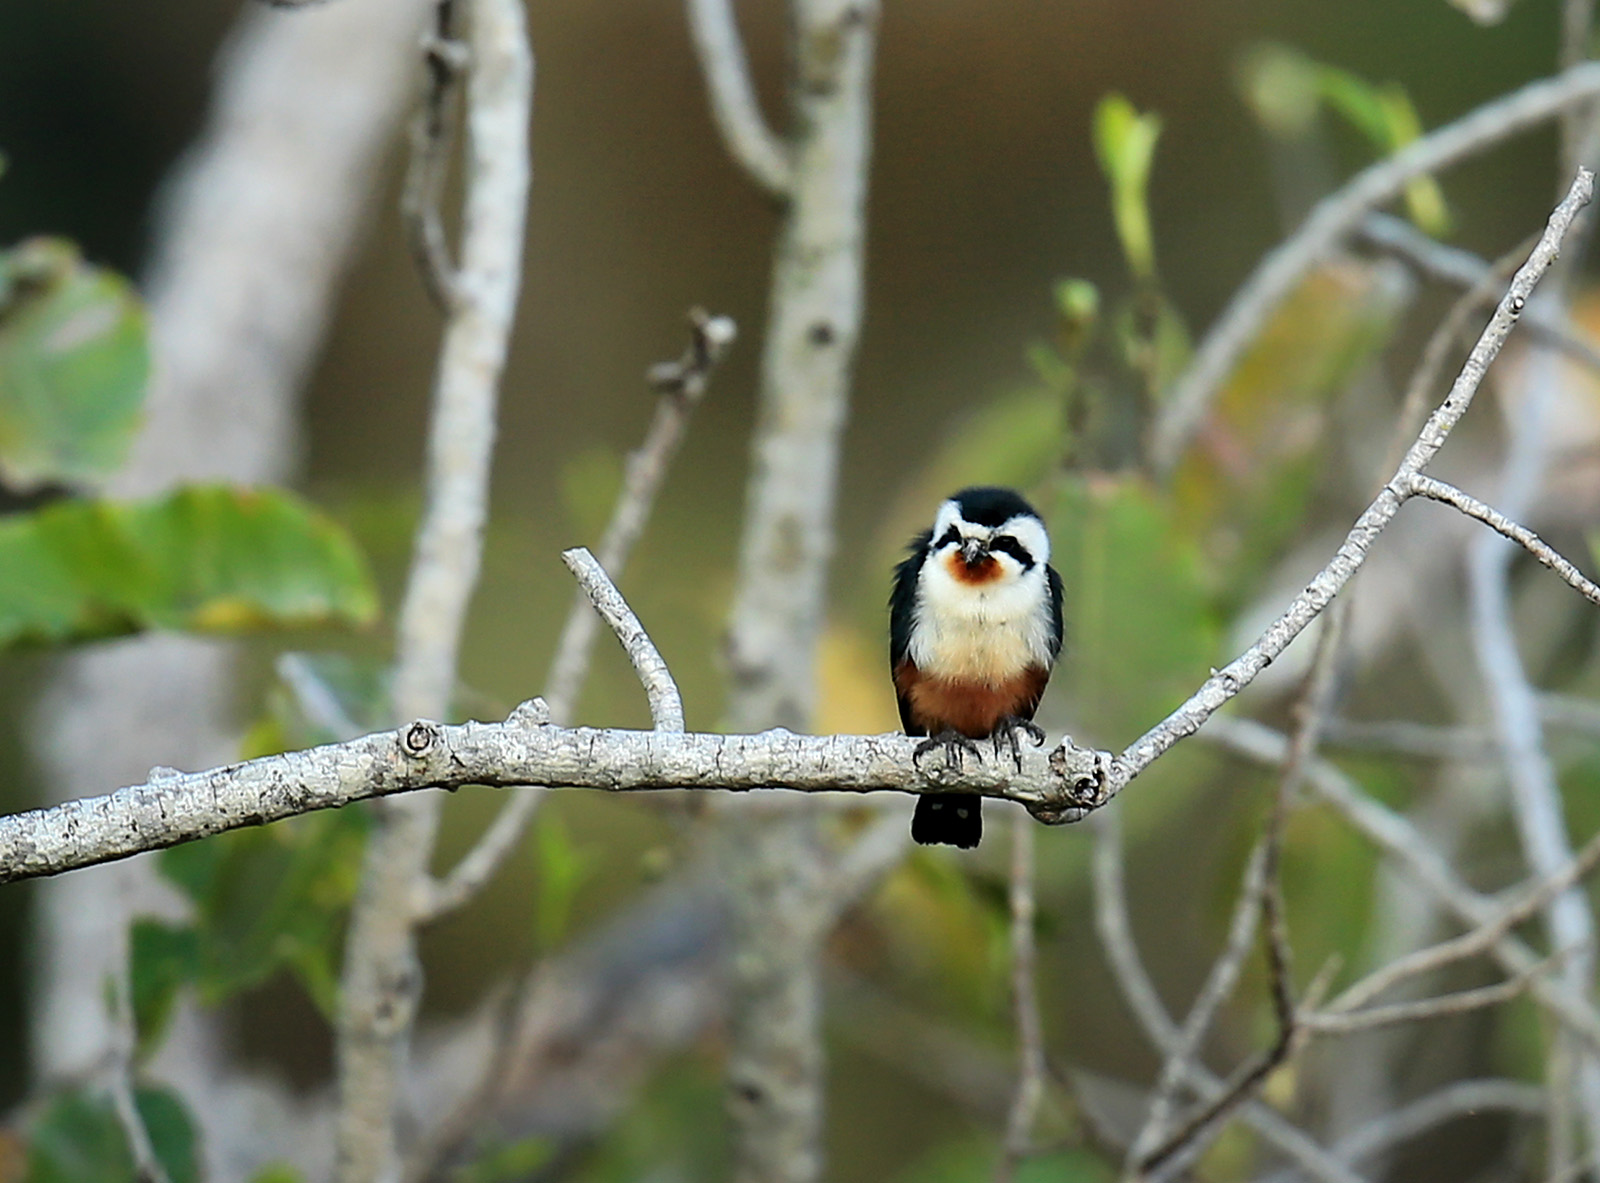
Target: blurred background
x,y
985,193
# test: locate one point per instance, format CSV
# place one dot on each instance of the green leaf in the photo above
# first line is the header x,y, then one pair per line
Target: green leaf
x,y
1125,143
79,1140
206,559
278,1172
172,1134
74,364
1285,89
972,1160
271,898
510,1163
161,957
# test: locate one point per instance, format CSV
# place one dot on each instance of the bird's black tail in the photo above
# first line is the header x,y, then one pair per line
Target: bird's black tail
x,y
948,819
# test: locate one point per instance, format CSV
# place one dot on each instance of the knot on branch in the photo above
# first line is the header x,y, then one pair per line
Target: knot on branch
x,y
1084,781
418,739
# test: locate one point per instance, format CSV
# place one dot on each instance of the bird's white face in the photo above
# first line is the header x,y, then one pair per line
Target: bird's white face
x,y
983,602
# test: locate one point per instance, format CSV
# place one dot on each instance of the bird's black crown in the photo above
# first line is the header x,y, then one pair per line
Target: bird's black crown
x,y
988,505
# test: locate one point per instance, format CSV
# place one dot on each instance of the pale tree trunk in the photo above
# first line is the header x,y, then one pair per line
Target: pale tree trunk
x,y
775,861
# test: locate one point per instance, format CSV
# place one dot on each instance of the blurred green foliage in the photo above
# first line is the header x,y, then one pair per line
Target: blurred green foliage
x,y
972,1160
273,897
78,1139
204,559
1125,144
74,367
1286,90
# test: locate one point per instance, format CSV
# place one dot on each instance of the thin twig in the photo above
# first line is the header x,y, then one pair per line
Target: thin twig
x,y
1401,737
1437,490
1476,941
682,385
1213,994
666,704
1463,1098
1534,794
1115,932
1331,1022
120,1081
737,113
1333,219
1459,268
1567,710
1411,850
1025,1005
1190,1138
445,57
1480,293
1309,604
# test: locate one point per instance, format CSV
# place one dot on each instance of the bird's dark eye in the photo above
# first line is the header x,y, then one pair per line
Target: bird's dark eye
x,y
1015,549
952,535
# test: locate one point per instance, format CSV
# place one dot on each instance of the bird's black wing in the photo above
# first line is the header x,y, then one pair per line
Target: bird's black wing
x,y
1056,629
903,598
902,608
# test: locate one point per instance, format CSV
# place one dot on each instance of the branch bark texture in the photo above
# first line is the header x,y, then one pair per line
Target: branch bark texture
x,y
524,750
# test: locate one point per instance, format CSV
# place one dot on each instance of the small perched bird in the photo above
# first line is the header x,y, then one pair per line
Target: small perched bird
x,y
974,628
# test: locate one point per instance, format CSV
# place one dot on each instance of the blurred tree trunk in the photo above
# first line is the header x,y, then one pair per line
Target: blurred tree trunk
x,y
254,234
776,858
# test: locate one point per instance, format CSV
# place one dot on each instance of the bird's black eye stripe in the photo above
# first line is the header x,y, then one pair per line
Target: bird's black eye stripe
x,y
1013,548
949,536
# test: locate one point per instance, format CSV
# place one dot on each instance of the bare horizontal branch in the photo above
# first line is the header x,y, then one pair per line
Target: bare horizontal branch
x,y
524,750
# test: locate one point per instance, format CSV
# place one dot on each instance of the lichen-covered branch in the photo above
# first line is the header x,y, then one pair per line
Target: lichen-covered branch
x,y
524,750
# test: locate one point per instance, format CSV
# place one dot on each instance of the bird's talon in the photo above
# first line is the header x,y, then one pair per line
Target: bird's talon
x,y
1006,732
955,746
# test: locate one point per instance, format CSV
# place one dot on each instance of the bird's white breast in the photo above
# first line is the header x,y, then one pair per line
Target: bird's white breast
x,y
985,633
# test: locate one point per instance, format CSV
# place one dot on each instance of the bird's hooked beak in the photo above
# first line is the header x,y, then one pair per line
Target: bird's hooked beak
x,y
974,551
